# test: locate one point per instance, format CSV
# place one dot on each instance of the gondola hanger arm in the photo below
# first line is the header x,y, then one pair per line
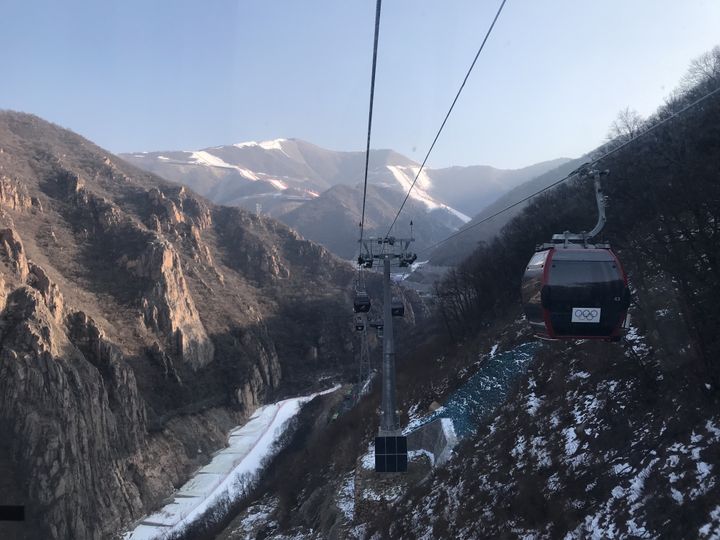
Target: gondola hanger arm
x,y
600,200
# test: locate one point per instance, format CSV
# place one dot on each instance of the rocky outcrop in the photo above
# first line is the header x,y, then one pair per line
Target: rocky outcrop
x,y
118,378
68,183
14,195
157,355
180,207
182,217
14,252
62,429
3,294
38,279
260,260
72,411
166,210
263,374
100,215
169,307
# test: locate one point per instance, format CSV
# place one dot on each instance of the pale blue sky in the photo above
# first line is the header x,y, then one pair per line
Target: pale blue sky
x,y
176,74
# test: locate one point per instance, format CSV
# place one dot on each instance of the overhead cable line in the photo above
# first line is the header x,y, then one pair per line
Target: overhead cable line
x,y
589,164
467,75
370,115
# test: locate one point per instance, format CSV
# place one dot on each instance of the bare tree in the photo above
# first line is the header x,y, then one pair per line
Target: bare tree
x,y
703,71
627,125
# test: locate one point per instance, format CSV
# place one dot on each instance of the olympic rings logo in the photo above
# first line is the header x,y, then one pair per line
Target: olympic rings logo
x,y
586,314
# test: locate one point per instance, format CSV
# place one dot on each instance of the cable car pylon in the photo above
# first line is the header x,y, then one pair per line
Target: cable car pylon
x,y
365,367
390,445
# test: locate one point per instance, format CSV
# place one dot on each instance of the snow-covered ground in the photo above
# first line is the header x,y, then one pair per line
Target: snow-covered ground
x,y
226,474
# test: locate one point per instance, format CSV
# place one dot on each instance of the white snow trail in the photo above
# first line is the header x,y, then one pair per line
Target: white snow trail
x,y
248,446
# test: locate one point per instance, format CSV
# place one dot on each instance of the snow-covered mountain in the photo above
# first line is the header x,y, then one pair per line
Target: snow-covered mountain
x,y
287,178
295,169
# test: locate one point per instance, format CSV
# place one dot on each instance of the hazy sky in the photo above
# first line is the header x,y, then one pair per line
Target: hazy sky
x,y
175,74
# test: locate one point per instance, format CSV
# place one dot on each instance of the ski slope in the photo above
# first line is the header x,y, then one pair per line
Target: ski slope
x,y
227,472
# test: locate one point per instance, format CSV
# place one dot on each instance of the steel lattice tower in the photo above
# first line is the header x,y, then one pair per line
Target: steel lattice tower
x,y
365,364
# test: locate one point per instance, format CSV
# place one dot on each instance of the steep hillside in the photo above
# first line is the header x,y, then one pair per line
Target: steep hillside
x,y
594,443
139,322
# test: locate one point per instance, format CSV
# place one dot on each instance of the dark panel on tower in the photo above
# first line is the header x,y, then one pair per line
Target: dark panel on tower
x,y
391,454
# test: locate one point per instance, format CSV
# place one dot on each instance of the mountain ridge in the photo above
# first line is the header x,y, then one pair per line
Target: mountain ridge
x,y
282,177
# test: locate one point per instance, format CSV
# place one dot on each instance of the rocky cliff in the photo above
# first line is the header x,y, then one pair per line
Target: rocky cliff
x,y
138,323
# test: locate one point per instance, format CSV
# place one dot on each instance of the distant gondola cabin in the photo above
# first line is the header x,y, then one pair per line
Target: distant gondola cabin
x,y
359,323
397,307
361,302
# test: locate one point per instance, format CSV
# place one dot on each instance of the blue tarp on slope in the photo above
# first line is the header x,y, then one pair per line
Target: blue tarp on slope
x,y
484,391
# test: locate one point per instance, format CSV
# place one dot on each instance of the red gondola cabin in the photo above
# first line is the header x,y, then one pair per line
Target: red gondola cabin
x,y
575,292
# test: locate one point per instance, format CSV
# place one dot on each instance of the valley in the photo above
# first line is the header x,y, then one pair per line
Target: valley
x,y
334,315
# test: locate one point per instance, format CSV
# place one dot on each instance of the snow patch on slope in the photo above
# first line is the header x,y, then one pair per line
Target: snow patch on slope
x,y
279,184
275,144
405,177
346,497
462,217
202,157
